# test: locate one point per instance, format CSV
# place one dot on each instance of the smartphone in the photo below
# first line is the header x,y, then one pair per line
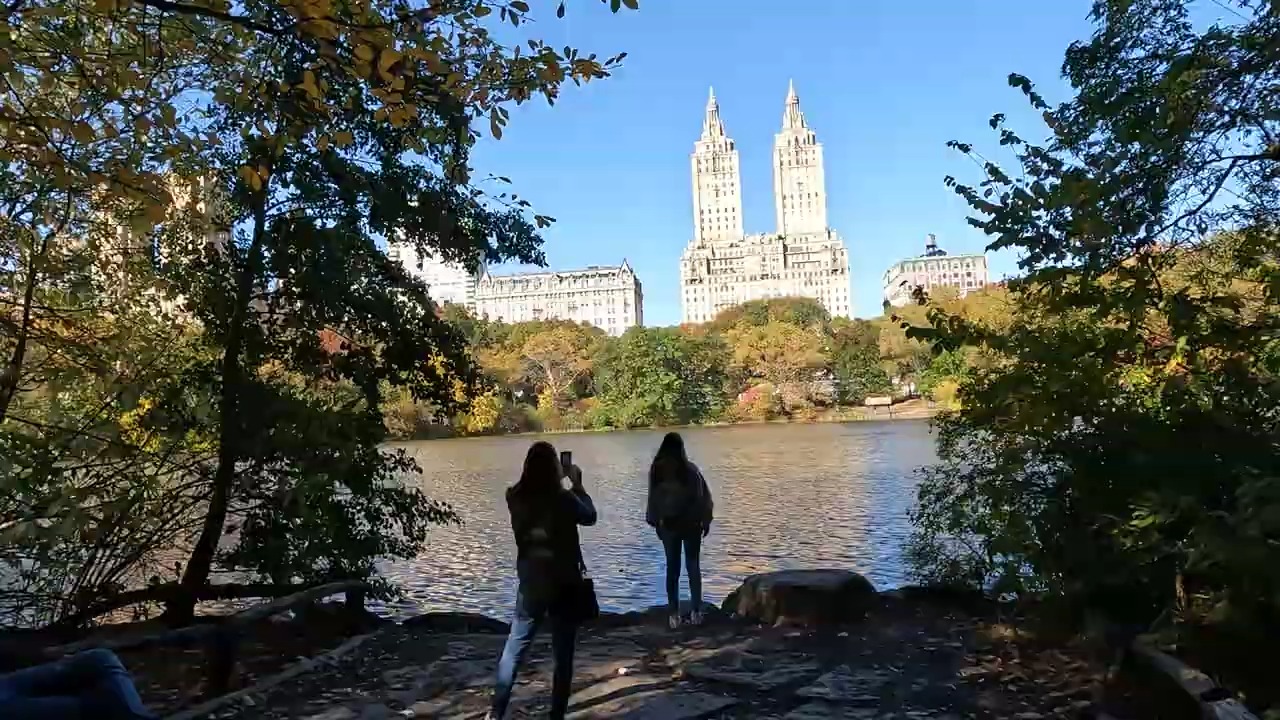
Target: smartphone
x,y
566,461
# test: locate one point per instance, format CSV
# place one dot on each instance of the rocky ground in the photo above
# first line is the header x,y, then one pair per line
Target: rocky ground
x,y
906,660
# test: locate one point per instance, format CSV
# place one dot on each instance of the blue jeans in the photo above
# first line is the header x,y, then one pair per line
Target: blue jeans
x,y
524,625
691,542
91,684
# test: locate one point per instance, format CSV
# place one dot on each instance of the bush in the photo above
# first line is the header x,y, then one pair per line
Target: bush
x,y
758,403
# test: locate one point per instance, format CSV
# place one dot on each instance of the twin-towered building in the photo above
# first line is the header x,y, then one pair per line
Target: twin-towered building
x,y
723,266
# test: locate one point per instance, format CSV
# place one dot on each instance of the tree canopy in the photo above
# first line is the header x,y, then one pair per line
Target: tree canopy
x,y
195,203
1117,450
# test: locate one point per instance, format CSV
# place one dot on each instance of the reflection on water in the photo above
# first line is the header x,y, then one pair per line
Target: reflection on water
x,y
787,496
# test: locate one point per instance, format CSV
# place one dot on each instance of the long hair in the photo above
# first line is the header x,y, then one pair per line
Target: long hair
x,y
540,478
671,462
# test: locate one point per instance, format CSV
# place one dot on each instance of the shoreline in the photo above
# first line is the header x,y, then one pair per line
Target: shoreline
x,y
856,415
911,657
912,652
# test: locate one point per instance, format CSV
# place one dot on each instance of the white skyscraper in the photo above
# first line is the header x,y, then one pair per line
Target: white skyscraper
x,y
717,186
446,282
722,267
799,188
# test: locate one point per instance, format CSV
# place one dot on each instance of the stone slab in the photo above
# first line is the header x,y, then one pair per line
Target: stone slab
x,y
849,685
829,711
757,671
652,703
618,685
334,713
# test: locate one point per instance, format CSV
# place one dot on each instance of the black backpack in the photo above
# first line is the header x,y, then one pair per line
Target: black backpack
x,y
677,497
549,553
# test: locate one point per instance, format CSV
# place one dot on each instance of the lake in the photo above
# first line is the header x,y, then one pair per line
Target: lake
x,y
787,496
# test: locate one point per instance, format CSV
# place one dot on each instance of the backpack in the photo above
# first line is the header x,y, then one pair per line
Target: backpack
x,y
549,555
676,498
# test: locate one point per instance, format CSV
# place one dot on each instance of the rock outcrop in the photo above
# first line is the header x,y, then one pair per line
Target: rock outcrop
x,y
808,598
457,622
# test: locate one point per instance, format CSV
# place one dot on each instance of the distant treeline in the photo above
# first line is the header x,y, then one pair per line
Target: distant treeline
x,y
763,360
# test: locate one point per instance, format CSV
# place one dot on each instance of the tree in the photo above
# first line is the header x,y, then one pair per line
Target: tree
x,y
321,127
659,376
800,311
555,361
1120,456
784,355
87,128
855,361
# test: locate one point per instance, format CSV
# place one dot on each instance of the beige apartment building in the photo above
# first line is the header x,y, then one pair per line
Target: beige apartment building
x,y
608,297
934,269
722,267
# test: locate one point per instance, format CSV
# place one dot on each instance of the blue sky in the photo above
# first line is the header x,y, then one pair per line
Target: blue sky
x,y
884,83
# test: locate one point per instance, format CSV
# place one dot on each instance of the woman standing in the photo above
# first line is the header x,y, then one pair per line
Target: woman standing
x,y
679,508
545,519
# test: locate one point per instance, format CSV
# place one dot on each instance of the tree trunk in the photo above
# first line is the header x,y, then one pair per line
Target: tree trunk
x,y
11,376
181,608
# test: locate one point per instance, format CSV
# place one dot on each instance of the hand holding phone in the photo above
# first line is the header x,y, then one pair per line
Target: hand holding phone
x,y
566,461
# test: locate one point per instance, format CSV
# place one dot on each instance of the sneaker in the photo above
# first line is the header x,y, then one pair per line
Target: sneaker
x,y
673,622
696,618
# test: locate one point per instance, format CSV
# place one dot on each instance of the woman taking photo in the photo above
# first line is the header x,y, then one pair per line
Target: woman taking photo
x,y
553,586
679,508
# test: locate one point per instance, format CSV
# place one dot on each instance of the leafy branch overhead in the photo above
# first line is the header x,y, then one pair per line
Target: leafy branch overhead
x,y
1119,454
196,197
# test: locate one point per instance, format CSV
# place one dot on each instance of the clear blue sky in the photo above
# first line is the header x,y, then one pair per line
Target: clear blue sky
x,y
884,83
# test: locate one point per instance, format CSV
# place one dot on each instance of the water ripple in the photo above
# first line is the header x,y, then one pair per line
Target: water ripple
x,y
787,496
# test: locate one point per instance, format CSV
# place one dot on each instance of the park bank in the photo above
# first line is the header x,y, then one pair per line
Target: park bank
x,y
796,645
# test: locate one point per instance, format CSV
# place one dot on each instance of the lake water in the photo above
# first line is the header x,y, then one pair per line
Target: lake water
x,y
787,496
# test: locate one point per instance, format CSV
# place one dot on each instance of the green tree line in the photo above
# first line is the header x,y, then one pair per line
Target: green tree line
x,y
782,358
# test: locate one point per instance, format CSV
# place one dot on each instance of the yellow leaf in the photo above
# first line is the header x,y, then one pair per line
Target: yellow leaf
x,y
249,176
364,53
343,139
388,58
309,84
322,143
156,212
83,132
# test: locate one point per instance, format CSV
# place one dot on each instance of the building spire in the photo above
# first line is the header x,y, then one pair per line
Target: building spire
x,y
712,125
792,118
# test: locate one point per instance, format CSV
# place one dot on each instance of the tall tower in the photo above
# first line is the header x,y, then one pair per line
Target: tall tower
x,y
717,187
799,188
